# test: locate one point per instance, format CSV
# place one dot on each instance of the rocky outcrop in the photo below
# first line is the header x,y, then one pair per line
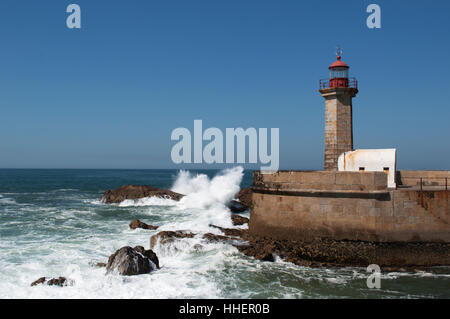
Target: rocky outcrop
x,y
233,232
322,252
129,261
135,192
61,281
245,196
239,220
260,252
213,237
38,282
237,207
243,201
167,237
138,224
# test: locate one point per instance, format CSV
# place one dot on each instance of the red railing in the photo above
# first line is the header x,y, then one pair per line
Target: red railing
x,y
338,83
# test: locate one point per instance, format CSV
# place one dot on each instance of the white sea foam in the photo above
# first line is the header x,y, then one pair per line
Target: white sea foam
x,y
204,202
7,201
148,201
202,192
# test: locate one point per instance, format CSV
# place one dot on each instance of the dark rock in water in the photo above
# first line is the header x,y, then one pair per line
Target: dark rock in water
x,y
237,207
239,220
129,261
138,224
150,254
100,265
243,202
261,252
245,196
166,237
231,231
38,282
61,281
135,192
212,237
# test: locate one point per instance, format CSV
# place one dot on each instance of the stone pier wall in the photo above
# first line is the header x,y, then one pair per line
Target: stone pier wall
x,y
346,205
429,178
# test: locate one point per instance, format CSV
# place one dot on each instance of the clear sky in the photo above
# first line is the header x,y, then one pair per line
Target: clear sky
x,y
110,94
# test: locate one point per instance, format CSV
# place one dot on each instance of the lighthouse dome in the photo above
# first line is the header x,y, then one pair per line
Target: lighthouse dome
x,y
339,64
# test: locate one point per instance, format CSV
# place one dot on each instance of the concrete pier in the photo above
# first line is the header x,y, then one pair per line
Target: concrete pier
x,y
302,205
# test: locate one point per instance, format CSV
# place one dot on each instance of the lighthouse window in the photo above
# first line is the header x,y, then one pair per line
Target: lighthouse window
x,y
339,73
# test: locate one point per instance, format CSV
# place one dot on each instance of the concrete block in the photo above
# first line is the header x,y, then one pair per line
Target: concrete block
x,y
348,178
368,178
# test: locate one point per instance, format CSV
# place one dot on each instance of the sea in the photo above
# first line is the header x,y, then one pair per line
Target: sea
x,y
53,224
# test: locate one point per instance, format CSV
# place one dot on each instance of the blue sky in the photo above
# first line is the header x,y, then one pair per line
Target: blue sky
x,y
110,94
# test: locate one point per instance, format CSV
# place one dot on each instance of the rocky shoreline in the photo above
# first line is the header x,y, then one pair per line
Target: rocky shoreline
x,y
317,252
323,252
241,204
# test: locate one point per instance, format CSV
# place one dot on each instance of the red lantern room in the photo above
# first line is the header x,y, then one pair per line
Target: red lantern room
x,y
339,74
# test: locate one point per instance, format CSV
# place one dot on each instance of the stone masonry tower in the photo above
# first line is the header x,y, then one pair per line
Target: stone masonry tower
x,y
338,92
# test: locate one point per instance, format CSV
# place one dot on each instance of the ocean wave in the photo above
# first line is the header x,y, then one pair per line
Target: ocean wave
x,y
148,201
7,201
202,192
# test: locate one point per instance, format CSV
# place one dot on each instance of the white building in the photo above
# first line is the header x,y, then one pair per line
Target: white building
x,y
375,160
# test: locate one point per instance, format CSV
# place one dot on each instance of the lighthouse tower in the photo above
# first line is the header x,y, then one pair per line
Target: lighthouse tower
x,y
338,91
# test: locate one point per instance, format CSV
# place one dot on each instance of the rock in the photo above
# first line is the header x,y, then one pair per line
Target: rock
x,y
138,224
245,196
231,231
38,282
239,220
61,281
150,254
100,265
166,237
212,237
129,261
243,202
135,192
237,207
262,249
198,247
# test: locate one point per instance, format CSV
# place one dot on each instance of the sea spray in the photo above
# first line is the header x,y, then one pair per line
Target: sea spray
x,y
204,202
202,192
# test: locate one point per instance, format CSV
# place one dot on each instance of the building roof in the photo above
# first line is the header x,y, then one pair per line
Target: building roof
x,y
339,64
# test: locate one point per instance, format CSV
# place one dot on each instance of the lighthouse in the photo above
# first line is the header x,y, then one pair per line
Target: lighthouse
x,y
338,91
